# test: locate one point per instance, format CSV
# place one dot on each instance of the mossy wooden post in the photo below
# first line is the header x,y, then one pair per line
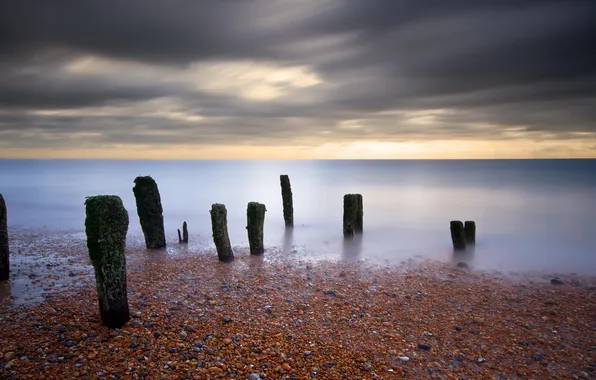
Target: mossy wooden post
x,y
255,219
353,215
286,196
457,235
106,225
470,231
183,238
150,212
219,224
4,255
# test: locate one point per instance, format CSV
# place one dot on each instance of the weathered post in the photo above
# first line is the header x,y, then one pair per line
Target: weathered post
x,y
183,238
219,224
353,215
150,211
470,231
4,256
184,232
457,235
286,196
255,219
106,225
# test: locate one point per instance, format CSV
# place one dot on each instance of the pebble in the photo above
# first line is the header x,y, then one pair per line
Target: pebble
x,y
227,320
537,356
9,356
156,334
480,360
254,376
404,358
461,264
424,346
458,328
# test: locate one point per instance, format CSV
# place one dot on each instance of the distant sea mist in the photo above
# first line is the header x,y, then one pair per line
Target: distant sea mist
x,y
530,214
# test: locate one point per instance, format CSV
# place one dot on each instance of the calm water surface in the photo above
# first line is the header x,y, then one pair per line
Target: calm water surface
x,y
530,214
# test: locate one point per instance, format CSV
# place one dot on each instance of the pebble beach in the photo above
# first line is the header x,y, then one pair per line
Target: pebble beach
x,y
274,317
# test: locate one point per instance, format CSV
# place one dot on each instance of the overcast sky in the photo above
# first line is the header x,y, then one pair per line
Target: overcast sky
x,y
297,78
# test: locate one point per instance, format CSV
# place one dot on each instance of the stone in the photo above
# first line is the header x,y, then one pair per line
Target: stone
x,y
461,264
353,215
106,225
404,358
457,235
150,212
255,220
4,252
557,281
254,376
288,205
9,356
423,346
219,224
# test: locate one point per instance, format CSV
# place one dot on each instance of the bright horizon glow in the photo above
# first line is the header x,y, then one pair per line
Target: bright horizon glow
x,y
458,149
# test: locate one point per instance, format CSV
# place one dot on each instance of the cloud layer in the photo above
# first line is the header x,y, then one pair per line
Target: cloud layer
x,y
160,74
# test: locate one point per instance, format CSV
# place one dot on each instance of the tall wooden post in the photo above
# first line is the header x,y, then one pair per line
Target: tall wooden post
x,y
286,195
458,237
353,215
150,212
4,252
255,219
219,224
470,231
106,225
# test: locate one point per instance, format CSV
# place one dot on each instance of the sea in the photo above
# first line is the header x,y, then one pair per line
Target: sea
x,y
531,215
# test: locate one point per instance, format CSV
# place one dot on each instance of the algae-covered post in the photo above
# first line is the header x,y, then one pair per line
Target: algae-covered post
x,y
106,225
353,215
219,224
150,211
286,196
457,235
4,256
470,231
255,219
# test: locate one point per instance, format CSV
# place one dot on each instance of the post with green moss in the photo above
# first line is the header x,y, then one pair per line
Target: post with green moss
x,y
470,231
219,224
353,215
458,235
255,219
106,225
286,196
183,238
150,212
4,256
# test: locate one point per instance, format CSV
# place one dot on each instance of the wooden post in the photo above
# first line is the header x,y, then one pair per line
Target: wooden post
x,y
286,195
353,215
150,212
106,225
4,252
183,238
470,231
219,224
255,219
457,235
185,233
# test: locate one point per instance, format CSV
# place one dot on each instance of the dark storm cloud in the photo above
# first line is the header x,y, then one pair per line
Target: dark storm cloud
x,y
525,64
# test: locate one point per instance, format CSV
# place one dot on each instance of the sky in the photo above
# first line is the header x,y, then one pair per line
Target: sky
x,y
297,79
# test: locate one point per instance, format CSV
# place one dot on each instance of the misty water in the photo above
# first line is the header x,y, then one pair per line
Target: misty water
x,y
530,214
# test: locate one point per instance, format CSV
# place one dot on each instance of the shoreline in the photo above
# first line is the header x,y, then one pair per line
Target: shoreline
x,y
196,318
